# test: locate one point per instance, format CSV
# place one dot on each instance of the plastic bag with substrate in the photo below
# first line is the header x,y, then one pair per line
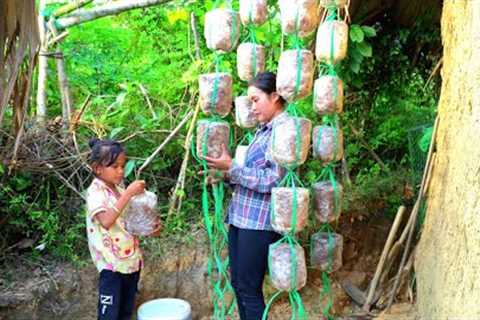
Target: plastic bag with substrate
x,y
222,29
283,209
215,91
141,216
324,204
289,134
327,143
253,11
250,60
211,135
288,64
244,116
328,95
326,251
281,266
323,49
240,155
299,15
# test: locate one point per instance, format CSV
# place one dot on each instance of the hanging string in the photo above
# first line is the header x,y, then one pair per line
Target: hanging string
x,y
253,38
217,267
326,284
290,180
328,172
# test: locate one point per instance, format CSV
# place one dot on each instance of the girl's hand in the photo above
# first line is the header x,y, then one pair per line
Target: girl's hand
x,y
158,228
135,188
224,162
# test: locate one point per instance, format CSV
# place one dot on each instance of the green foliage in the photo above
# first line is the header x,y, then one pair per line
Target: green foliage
x,y
111,58
359,48
376,192
30,210
388,95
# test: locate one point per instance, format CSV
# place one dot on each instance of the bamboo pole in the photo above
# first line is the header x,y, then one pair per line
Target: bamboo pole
x,y
383,257
64,90
416,208
183,169
42,67
62,76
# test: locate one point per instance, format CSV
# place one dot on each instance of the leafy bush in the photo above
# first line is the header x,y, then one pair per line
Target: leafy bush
x,y
386,95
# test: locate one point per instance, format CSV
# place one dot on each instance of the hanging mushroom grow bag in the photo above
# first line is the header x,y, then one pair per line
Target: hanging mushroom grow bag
x,y
328,95
284,273
327,143
326,251
295,74
253,11
222,29
299,16
332,41
250,60
290,141
285,202
215,91
327,201
210,137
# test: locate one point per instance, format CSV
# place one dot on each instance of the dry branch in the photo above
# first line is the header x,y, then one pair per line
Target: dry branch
x,y
164,143
106,10
72,6
183,169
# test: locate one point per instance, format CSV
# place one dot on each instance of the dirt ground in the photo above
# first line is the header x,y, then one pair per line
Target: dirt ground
x,y
54,290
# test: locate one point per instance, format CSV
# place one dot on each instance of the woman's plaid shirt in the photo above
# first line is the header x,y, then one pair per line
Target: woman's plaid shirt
x,y
253,183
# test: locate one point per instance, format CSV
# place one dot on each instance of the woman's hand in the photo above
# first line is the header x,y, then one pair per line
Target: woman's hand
x,y
135,188
214,175
223,163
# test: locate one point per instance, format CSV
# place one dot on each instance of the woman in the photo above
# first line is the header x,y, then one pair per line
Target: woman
x,y
250,230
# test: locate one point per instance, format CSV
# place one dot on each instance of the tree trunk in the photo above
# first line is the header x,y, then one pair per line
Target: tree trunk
x,y
448,256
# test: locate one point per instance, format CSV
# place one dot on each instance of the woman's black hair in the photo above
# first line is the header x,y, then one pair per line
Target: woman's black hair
x,y
267,82
104,152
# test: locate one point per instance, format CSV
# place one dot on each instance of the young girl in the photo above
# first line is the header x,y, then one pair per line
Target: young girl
x,y
250,231
115,252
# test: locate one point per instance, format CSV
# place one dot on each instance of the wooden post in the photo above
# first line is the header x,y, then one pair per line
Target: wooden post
x,y
64,89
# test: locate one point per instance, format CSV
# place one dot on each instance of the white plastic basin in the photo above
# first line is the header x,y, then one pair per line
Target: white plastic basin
x,y
165,309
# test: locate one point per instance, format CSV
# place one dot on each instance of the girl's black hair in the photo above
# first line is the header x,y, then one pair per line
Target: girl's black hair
x,y
267,82
104,152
